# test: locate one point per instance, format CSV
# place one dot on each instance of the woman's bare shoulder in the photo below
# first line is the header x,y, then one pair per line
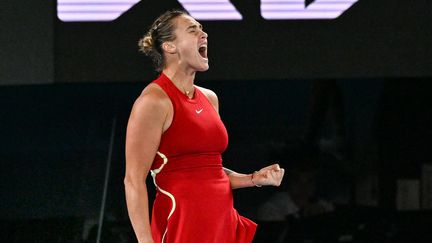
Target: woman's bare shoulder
x,y
152,96
211,96
209,93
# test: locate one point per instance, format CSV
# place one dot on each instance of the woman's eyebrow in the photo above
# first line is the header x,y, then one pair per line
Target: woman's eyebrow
x,y
194,26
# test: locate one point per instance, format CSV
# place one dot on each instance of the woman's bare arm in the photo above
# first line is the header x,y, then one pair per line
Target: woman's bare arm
x,y
144,131
268,176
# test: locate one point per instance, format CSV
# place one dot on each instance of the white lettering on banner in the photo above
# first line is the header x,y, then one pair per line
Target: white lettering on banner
x,y
296,9
108,10
211,9
92,10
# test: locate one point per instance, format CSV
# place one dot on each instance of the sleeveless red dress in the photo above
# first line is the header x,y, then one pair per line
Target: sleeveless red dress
x,y
194,201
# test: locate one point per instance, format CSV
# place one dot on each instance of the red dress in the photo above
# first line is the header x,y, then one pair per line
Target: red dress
x,y
194,201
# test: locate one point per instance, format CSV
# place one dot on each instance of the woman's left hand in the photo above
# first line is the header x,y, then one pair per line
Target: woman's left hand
x,y
268,176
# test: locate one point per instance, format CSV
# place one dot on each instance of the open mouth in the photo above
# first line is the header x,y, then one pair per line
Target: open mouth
x,y
203,51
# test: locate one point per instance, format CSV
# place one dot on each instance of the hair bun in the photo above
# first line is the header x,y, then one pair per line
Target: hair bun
x,y
146,44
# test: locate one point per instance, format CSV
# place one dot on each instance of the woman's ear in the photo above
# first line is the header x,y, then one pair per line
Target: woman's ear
x,y
169,47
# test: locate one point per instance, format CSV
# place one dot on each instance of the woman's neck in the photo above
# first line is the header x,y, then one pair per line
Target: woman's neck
x,y
182,80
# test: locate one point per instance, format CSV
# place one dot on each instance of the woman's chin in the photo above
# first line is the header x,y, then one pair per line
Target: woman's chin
x,y
203,68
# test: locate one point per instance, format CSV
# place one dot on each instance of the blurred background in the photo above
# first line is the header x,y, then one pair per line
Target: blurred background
x,y
341,102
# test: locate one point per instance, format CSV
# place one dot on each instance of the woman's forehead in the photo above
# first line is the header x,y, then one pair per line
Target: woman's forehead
x,y
184,21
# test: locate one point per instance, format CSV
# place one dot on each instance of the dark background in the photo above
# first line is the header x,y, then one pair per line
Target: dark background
x,y
373,38
364,77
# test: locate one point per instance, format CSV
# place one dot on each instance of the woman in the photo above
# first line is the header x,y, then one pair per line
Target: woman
x,y
175,132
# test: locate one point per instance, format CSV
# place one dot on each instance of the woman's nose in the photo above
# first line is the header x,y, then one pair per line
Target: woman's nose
x,y
204,34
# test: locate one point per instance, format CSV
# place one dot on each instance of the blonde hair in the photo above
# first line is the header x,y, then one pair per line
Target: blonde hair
x,y
161,30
